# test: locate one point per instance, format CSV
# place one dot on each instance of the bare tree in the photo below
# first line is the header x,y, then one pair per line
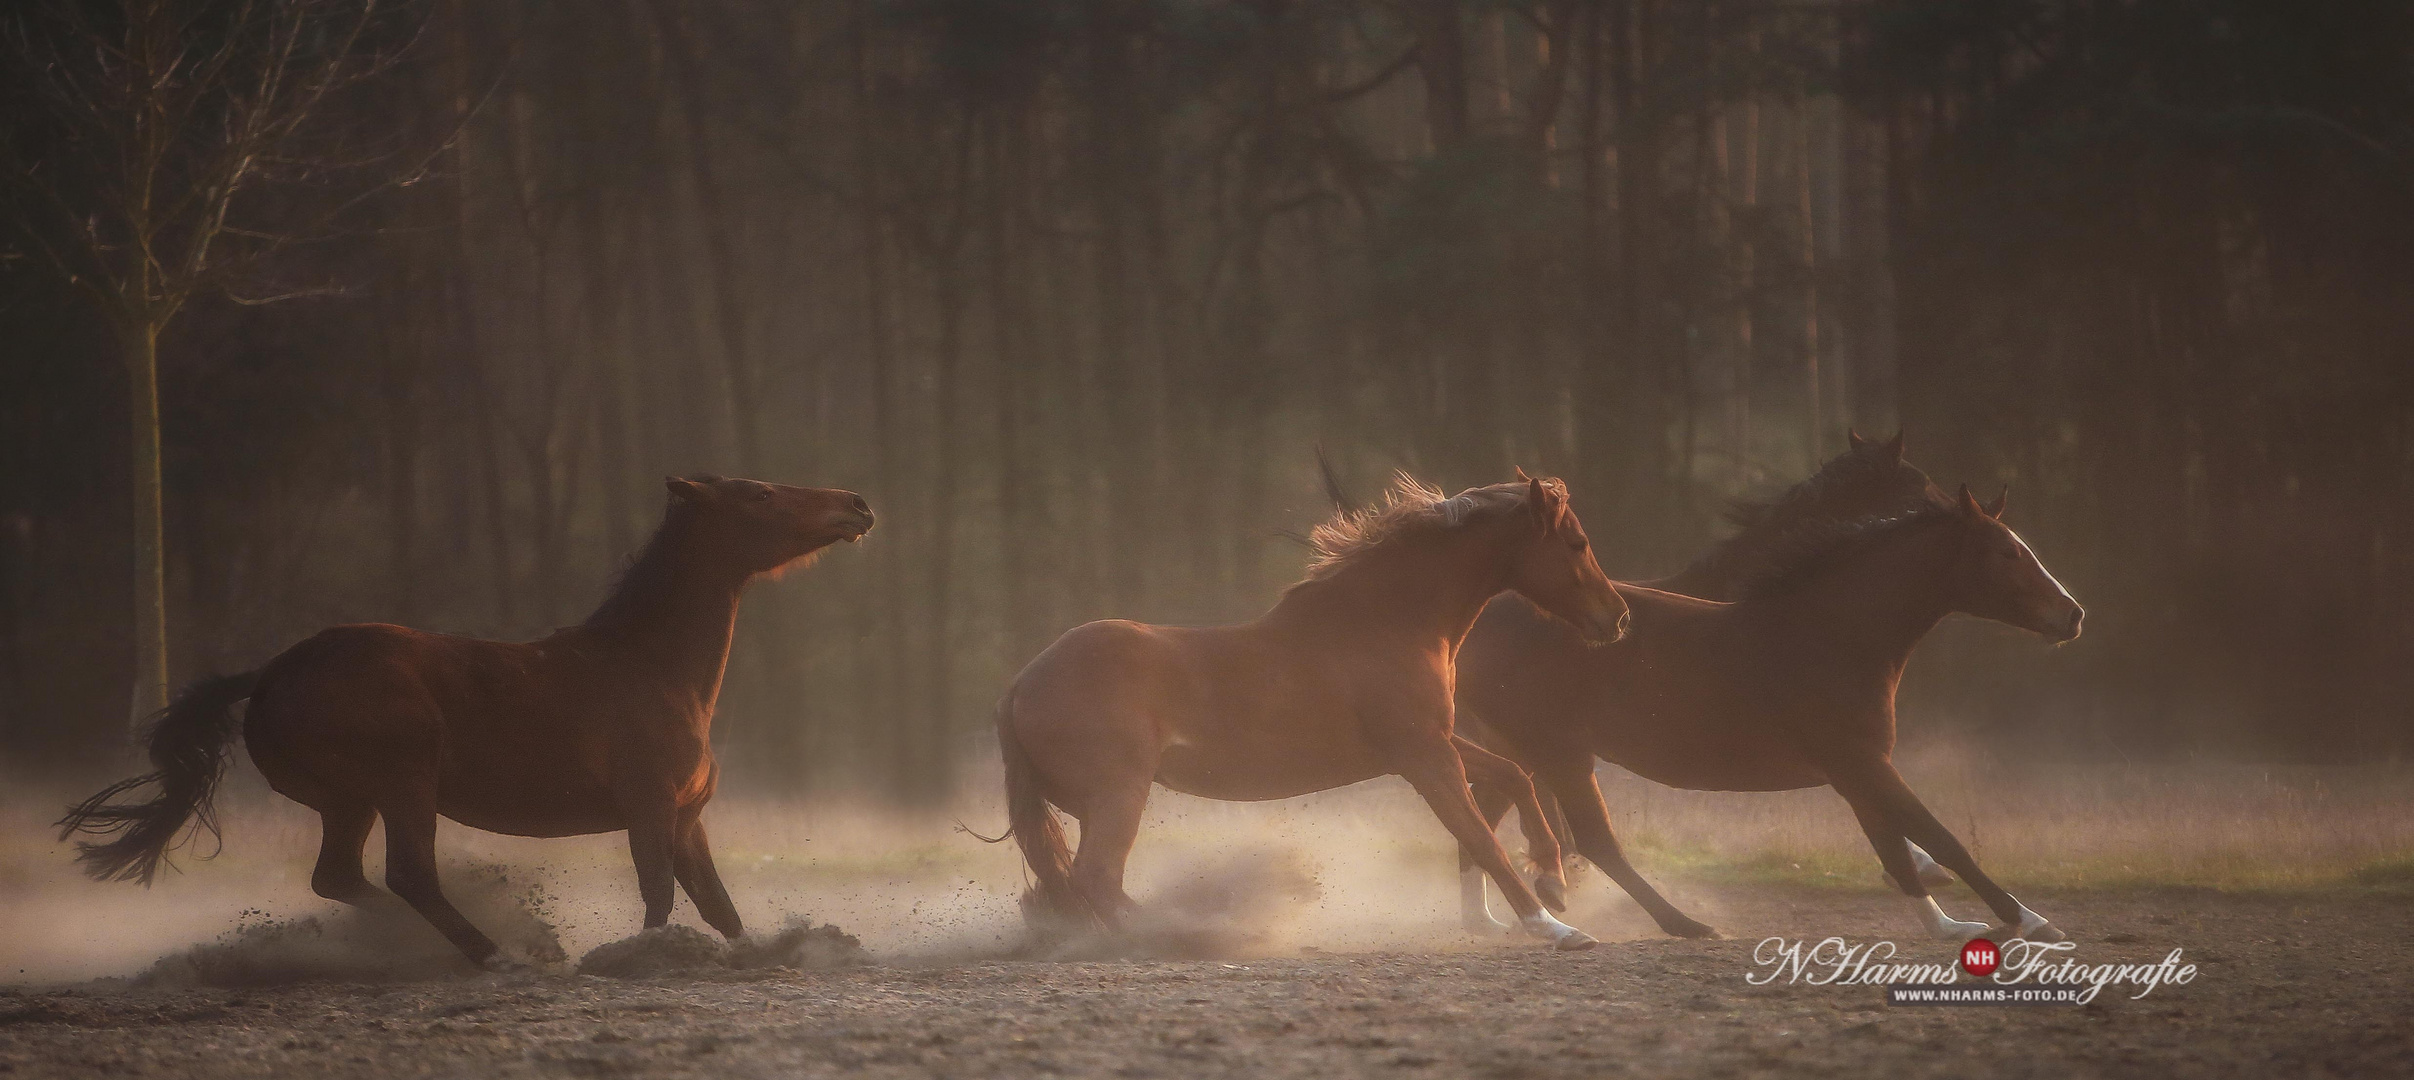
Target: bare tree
x,y
149,134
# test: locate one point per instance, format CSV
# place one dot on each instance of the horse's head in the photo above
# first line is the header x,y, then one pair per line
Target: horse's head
x,y
1554,566
767,526
1997,577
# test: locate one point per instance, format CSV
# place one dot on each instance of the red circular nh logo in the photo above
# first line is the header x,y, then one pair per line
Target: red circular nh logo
x,y
1980,957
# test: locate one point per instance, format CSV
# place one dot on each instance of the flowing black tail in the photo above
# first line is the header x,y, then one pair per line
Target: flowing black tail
x,y
188,742
1033,824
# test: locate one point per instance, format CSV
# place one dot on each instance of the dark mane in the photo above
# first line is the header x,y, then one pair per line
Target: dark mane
x,y
1408,507
1806,550
1849,488
652,575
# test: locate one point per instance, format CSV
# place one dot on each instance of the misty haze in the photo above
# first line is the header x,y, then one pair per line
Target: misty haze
x,y
1033,537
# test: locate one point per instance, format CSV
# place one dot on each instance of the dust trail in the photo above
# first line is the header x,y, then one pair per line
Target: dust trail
x,y
383,942
799,945
1364,868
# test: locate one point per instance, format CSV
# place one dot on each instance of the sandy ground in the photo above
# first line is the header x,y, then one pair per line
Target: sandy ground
x,y
2293,986
1314,937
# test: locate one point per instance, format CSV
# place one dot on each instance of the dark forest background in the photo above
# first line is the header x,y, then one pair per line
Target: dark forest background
x,y
1070,289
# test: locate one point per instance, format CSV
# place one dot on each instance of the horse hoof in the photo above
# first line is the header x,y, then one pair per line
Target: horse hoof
x,y
1552,892
2044,932
1574,941
1687,928
498,964
1957,930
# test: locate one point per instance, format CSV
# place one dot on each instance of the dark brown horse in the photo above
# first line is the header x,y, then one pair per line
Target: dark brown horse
x,y
1348,678
1870,477
600,727
1791,686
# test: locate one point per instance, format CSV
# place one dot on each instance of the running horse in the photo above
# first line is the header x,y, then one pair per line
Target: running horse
x,y
600,727
1349,677
1869,477
1790,686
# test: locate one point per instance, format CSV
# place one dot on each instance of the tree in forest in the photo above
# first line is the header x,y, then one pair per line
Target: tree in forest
x,y
153,154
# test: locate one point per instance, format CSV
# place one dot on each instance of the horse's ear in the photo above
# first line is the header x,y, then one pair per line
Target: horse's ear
x,y
1894,446
1853,437
1521,473
1969,503
1995,509
1548,501
687,490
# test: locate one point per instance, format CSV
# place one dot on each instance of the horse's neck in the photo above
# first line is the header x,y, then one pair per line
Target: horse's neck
x,y
674,615
1430,588
1877,603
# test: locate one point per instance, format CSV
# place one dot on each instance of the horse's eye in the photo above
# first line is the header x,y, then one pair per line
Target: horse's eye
x,y
1579,544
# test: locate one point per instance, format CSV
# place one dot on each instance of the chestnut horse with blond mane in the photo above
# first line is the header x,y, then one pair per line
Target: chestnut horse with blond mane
x,y
600,727
1348,678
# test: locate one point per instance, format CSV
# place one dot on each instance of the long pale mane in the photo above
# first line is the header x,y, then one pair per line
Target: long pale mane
x,y
1409,506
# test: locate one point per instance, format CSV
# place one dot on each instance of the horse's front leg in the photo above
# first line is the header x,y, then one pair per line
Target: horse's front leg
x,y
1891,813
1489,770
653,846
1431,765
1474,907
691,863
1934,876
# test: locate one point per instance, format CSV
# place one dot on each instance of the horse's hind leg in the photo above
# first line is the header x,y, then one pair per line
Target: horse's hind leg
x,y
1487,769
1569,775
1439,775
1110,824
411,873
691,862
343,832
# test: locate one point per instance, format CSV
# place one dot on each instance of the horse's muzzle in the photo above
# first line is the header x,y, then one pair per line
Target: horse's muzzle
x,y
854,530
1603,631
2070,631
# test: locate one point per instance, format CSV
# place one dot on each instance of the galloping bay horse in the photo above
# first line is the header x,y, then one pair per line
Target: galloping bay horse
x,y
600,727
1791,686
1870,477
1348,678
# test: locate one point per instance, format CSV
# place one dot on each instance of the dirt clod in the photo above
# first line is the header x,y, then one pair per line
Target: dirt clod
x,y
799,945
659,951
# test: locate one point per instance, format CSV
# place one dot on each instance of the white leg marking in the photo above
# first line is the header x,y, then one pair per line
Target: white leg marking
x,y
1921,863
1943,926
2036,927
1475,905
1560,934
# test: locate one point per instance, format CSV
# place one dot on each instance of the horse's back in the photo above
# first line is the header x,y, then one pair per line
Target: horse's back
x,y
375,697
1669,703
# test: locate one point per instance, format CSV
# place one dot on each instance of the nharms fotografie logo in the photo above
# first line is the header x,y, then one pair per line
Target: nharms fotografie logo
x,y
2015,972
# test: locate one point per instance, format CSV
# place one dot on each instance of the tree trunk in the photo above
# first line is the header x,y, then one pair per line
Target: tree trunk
x,y
140,341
